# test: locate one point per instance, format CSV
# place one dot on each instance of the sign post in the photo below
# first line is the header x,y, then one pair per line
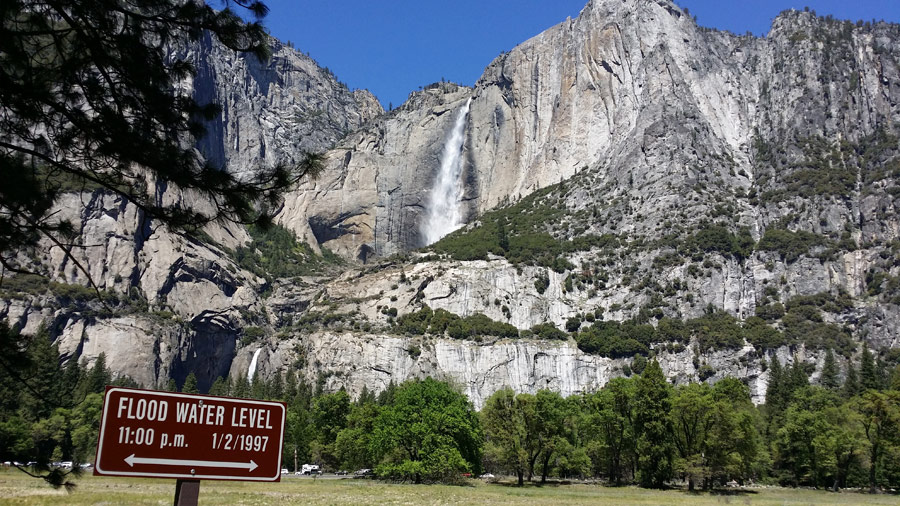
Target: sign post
x,y
151,434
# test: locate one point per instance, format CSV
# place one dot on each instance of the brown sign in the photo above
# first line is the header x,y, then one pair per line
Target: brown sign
x,y
171,435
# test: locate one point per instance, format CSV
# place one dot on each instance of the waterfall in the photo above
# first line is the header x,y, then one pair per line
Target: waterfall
x,y
252,370
444,214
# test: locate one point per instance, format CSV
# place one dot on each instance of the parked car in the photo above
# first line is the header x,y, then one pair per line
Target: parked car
x,y
284,470
341,473
364,472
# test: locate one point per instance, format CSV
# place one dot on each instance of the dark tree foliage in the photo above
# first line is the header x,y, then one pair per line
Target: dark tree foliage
x,y
868,373
90,100
655,447
830,372
851,382
428,433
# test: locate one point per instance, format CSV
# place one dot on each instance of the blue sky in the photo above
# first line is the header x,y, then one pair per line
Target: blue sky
x,y
392,47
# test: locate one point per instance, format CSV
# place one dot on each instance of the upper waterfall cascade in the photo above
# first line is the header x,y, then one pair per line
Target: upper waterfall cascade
x,y
444,213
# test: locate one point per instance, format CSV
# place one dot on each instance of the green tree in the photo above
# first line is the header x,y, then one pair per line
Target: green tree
x,y
555,427
329,416
851,382
829,378
85,423
840,445
298,434
652,402
733,445
99,376
240,387
868,372
219,387
504,428
43,381
428,433
776,398
799,450
353,443
797,378
693,417
90,95
610,428
880,418
190,384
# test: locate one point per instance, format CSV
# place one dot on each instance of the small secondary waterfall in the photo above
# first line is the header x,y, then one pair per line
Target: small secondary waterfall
x,y
251,371
444,214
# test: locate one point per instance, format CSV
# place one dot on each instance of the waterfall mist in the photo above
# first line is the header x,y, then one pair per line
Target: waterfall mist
x,y
444,214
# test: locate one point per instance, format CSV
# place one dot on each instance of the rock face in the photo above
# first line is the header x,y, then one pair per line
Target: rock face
x,y
186,300
681,170
272,111
354,360
373,194
635,91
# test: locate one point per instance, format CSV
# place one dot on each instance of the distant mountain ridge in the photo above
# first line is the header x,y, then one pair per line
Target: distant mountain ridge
x,y
623,166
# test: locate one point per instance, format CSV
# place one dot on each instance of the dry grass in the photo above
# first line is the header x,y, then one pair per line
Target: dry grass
x,y
16,488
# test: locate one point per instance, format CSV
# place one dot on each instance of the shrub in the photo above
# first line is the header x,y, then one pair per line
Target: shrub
x,y
770,312
542,282
548,331
705,372
789,245
717,238
276,253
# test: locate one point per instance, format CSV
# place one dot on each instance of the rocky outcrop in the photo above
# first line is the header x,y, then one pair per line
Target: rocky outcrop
x,y
272,111
638,124
354,360
371,198
184,296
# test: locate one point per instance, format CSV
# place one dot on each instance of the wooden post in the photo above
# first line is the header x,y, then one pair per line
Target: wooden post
x,y
187,492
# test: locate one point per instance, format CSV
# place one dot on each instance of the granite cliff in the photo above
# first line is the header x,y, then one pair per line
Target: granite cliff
x,y
624,166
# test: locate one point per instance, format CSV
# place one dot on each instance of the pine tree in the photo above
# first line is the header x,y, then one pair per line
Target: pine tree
x,y
259,388
797,379
366,396
851,382
290,387
775,389
868,374
190,384
219,387
241,387
276,387
895,378
829,378
386,397
99,376
44,388
654,445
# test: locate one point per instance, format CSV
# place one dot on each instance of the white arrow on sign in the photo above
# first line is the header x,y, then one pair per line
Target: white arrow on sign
x,y
131,460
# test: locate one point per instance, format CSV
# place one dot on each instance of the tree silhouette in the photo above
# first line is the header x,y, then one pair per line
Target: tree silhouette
x,y
90,99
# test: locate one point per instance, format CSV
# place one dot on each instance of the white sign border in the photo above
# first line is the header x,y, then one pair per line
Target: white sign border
x,y
188,476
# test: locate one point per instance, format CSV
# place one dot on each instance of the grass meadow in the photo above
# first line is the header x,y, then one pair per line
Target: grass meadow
x,y
17,488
